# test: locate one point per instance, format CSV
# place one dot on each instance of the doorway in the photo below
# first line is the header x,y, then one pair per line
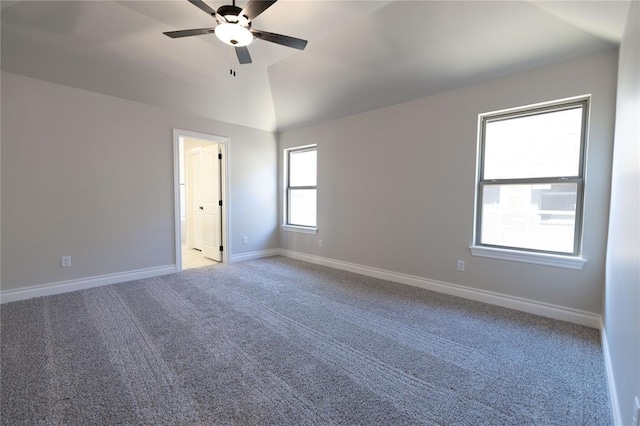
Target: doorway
x,y
200,181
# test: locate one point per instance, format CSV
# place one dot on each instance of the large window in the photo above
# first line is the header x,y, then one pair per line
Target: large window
x,y
301,186
531,179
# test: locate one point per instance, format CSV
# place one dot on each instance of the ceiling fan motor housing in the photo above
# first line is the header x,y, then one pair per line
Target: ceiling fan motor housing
x,y
233,15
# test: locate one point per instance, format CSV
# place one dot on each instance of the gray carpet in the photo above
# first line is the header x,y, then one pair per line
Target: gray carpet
x,y
277,341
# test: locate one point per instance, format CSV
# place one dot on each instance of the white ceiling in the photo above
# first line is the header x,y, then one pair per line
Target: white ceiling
x,y
361,54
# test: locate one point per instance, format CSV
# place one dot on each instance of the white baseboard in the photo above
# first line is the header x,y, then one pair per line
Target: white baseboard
x,y
611,384
82,283
252,255
50,289
539,308
526,305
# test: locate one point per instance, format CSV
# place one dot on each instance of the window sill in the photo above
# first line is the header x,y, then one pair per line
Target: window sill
x,y
299,229
557,261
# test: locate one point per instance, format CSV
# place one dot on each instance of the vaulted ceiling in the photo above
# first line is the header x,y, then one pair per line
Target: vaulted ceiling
x,y
361,54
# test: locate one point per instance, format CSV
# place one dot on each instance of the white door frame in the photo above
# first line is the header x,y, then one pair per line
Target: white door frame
x,y
224,186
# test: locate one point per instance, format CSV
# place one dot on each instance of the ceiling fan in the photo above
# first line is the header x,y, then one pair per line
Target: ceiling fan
x,y
234,27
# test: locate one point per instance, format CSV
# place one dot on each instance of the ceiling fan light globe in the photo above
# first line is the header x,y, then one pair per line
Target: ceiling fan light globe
x,y
234,34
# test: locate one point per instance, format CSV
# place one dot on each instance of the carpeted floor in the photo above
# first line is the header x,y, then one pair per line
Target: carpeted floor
x,y
277,341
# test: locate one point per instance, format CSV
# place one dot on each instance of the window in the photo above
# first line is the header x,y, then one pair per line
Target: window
x,y
531,179
301,179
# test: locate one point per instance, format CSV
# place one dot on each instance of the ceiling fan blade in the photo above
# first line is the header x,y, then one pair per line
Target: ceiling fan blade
x,y
296,43
189,33
203,6
243,55
256,7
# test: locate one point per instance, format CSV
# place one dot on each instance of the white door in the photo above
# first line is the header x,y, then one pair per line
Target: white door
x,y
212,211
197,204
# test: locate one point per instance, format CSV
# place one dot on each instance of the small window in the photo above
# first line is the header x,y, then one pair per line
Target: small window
x,y
301,186
531,179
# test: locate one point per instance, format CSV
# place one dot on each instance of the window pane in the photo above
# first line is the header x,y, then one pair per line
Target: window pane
x,y
540,145
537,217
302,168
302,207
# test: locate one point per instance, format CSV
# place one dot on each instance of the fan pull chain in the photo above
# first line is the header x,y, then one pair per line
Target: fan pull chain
x,y
232,71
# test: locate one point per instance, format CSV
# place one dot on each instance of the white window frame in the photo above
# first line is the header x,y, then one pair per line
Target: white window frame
x,y
548,258
286,226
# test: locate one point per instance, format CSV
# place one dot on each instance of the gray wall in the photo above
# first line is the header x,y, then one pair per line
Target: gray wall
x,y
396,185
622,296
91,176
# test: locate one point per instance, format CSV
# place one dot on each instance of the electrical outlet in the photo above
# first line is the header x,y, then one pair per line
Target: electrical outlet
x,y
636,412
65,262
460,265
245,240
319,243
